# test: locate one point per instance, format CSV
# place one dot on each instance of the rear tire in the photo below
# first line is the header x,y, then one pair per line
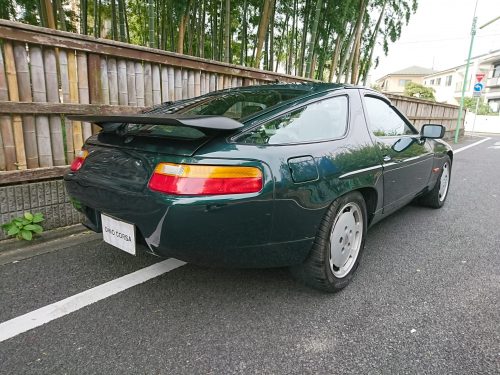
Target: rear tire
x,y
338,245
437,196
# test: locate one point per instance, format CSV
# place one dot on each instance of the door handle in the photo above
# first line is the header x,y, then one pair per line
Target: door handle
x,y
387,158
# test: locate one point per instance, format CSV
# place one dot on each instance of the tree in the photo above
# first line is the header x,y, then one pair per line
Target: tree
x,y
417,90
482,109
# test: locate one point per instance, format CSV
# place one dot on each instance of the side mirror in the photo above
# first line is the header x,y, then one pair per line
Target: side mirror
x,y
432,131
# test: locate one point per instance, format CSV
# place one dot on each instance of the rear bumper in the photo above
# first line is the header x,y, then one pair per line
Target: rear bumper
x,y
232,231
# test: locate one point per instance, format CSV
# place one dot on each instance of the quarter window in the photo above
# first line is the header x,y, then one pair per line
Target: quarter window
x,y
383,120
448,80
318,121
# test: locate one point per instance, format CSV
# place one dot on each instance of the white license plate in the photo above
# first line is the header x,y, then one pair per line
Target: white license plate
x,y
118,233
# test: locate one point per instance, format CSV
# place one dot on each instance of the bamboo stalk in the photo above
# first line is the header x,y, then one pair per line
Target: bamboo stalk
x,y
164,84
171,84
148,85
190,84
197,83
178,83
212,85
185,84
73,93
203,84
40,95
139,83
24,90
104,81
95,85
9,148
131,88
156,84
122,82
220,81
83,89
113,82
56,133
65,88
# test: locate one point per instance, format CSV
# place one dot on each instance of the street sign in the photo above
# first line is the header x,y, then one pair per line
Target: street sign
x,y
479,77
478,87
476,94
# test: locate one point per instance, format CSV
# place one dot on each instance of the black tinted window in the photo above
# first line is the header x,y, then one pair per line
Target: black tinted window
x,y
383,120
322,120
233,104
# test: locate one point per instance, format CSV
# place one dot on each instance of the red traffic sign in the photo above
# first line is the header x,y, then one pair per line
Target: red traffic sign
x,y
479,77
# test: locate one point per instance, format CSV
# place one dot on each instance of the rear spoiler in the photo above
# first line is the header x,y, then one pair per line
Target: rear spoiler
x,y
110,123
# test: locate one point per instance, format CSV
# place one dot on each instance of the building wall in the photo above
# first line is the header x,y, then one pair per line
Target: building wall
x,y
396,84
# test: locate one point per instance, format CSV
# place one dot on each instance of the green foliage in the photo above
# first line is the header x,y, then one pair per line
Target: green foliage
x,y
24,227
417,90
301,35
482,109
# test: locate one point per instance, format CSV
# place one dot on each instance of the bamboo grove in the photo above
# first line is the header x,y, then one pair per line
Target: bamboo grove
x,y
328,40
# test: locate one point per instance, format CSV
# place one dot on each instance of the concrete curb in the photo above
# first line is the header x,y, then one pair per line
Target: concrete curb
x,y
15,250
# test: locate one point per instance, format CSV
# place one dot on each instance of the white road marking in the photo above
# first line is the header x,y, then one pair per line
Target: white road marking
x,y
471,145
495,146
39,317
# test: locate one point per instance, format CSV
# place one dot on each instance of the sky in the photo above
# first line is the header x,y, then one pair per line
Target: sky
x,y
438,36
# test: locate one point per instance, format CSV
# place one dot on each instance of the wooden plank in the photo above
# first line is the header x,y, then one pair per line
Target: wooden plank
x,y
148,85
122,82
113,81
32,34
156,84
73,93
131,88
32,175
139,83
83,89
9,149
220,82
40,95
64,108
164,84
56,129
24,87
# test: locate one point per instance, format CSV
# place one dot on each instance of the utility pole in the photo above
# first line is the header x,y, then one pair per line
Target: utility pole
x,y
464,86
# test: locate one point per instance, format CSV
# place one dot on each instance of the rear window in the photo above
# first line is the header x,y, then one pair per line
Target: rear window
x,y
236,105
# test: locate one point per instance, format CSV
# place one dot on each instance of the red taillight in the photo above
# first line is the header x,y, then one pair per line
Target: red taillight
x,y
182,179
79,159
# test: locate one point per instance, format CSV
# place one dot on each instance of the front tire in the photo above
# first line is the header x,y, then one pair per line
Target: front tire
x,y
437,196
338,245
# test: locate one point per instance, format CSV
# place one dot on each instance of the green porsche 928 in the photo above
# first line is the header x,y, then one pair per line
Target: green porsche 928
x,y
264,176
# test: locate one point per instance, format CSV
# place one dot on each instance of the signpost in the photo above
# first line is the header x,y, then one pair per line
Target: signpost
x,y
476,93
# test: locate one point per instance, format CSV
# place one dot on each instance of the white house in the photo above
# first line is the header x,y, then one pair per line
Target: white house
x,y
448,83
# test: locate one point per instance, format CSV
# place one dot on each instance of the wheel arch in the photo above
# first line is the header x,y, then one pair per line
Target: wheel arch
x,y
370,195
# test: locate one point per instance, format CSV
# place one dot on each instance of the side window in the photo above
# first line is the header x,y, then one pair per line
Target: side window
x,y
318,121
383,120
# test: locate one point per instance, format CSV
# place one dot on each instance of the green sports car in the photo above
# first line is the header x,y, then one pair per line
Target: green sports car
x,y
262,176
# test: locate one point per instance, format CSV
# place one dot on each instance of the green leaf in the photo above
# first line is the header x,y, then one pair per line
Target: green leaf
x,y
37,219
26,222
13,230
28,216
27,235
18,224
34,228
38,214
7,225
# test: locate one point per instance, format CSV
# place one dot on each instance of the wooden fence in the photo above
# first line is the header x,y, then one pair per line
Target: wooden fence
x,y
46,74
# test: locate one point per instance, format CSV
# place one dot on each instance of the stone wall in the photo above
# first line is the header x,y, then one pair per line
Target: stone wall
x,y
48,197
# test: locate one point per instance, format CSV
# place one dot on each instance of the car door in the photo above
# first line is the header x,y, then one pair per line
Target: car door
x,y
407,160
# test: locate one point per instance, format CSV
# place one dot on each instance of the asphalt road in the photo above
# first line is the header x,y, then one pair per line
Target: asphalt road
x,y
425,300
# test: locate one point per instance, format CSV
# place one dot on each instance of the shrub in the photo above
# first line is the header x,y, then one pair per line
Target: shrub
x,y
24,227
